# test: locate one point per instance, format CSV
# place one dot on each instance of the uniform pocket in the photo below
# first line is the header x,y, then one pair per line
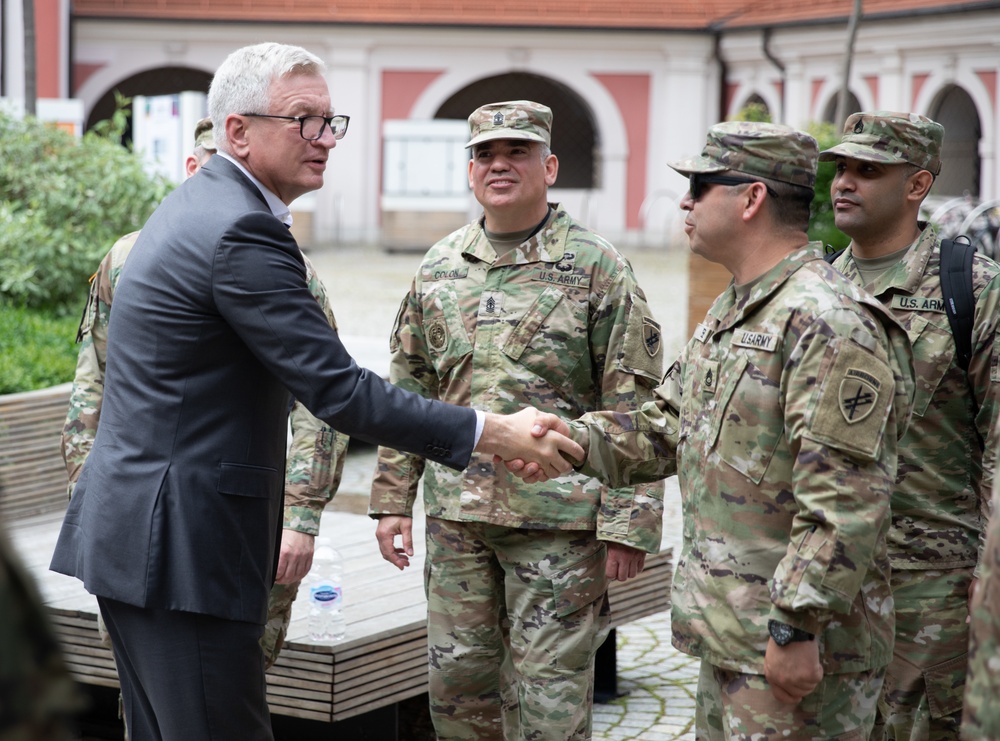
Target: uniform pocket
x,y
945,684
933,353
750,408
550,340
580,585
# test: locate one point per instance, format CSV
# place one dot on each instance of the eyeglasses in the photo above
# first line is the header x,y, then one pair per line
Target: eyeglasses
x,y
698,180
311,128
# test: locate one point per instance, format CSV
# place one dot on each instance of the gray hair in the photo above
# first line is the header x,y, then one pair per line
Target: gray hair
x,y
242,84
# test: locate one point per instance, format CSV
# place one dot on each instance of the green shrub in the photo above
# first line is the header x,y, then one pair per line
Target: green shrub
x,y
63,203
37,348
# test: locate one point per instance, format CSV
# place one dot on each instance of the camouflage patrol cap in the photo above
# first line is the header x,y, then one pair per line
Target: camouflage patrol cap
x,y
513,119
203,135
892,138
761,149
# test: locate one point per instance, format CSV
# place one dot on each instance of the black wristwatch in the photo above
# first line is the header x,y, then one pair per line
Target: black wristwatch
x,y
783,633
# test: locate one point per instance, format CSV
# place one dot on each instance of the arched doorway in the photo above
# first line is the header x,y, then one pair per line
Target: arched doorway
x,y
960,166
574,133
853,106
163,81
754,108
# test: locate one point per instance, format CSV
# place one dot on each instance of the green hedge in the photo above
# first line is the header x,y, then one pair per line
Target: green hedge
x,y
37,348
63,202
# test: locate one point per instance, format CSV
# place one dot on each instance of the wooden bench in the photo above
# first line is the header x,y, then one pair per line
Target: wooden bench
x,y
382,661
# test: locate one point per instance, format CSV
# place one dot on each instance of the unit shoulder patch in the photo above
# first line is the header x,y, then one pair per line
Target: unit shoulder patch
x,y
854,400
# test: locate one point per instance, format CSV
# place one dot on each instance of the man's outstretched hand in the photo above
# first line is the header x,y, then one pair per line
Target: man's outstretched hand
x,y
530,471
522,437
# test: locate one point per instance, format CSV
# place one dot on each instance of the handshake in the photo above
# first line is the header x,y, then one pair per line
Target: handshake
x,y
533,445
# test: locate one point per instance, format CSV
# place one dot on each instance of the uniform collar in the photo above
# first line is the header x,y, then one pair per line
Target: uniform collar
x,y
728,311
548,244
908,273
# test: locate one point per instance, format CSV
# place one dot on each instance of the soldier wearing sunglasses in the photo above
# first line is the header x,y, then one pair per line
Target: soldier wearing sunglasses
x,y
781,419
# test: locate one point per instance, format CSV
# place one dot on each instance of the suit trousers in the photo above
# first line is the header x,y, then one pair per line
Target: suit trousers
x,y
201,678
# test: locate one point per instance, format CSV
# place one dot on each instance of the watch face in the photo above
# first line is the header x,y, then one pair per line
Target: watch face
x,y
781,632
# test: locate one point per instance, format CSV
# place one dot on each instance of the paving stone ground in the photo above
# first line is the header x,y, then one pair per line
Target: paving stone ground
x,y
658,682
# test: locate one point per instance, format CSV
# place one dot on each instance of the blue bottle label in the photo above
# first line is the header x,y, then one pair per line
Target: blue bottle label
x,y
326,595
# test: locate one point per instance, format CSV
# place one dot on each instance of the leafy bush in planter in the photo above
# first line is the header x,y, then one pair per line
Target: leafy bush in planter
x,y
37,348
63,202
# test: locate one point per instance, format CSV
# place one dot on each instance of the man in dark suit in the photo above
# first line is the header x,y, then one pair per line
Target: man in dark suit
x,y
177,512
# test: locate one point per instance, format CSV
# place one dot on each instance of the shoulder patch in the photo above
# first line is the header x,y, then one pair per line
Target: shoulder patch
x,y
651,336
854,401
859,393
640,352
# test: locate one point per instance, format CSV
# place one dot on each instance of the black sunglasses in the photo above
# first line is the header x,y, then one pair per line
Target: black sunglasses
x,y
697,181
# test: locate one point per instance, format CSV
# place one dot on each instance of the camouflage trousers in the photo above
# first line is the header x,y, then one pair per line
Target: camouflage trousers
x,y
732,706
922,696
515,617
981,712
279,615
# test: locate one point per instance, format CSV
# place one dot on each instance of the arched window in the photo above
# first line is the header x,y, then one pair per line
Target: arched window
x,y
960,166
853,106
163,81
574,135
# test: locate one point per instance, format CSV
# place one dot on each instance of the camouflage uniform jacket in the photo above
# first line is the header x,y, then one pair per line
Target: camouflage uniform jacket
x,y
558,323
781,419
315,459
941,500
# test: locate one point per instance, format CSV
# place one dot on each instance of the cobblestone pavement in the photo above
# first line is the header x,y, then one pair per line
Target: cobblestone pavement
x,y
658,683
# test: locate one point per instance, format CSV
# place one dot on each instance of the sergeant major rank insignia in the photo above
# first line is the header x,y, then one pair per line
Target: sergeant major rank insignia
x,y
498,119
858,394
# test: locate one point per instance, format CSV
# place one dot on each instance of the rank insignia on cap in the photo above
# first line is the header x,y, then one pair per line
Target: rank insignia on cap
x,y
650,336
858,395
859,126
498,119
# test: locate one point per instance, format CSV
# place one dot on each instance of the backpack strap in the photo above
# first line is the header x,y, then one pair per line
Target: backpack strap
x,y
956,286
831,256
960,305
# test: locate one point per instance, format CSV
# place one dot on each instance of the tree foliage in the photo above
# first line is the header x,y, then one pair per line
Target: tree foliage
x,y
63,202
821,223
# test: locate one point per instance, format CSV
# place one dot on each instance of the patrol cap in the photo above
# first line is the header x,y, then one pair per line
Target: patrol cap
x,y
203,135
892,138
764,150
512,119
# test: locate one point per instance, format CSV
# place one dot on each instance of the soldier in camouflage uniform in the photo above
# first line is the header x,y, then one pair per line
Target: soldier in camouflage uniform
x,y
981,713
886,165
781,419
523,307
315,459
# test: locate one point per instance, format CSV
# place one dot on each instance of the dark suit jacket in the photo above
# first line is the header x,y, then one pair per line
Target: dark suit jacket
x,y
179,503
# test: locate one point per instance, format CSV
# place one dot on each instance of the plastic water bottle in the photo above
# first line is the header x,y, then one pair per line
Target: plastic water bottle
x,y
326,595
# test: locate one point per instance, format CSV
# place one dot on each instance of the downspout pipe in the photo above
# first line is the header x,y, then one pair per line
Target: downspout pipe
x,y
779,65
723,72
